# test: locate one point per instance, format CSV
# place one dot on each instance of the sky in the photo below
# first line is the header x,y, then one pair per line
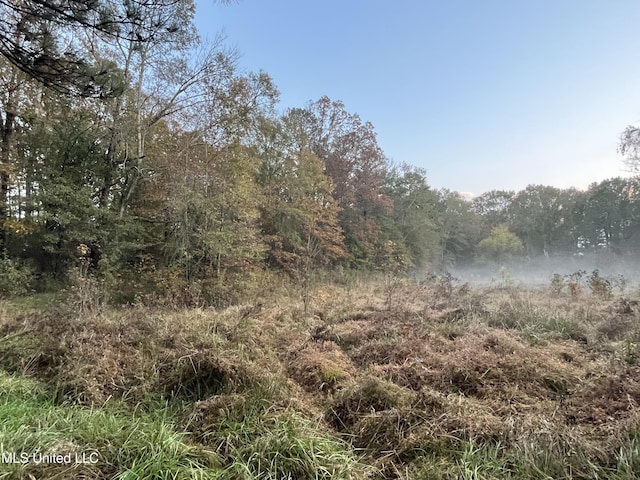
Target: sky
x,y
484,95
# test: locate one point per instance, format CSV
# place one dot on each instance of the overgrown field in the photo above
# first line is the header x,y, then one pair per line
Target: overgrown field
x,y
379,379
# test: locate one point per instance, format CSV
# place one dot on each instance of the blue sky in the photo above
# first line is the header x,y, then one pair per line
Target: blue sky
x,y
493,94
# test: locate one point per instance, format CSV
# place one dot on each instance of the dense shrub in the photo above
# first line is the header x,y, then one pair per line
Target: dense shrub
x,y
15,279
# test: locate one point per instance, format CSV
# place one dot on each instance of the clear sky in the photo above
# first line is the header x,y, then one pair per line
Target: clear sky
x,y
492,94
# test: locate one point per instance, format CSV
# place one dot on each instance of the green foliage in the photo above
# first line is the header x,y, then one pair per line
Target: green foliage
x,y
183,167
539,325
300,215
542,216
460,229
213,214
494,207
356,167
15,279
500,246
609,215
415,215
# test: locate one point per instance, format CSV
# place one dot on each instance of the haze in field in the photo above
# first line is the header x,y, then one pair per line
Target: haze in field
x,y
621,273
484,95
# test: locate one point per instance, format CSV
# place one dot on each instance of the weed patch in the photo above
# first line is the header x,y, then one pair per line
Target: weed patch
x,y
321,367
504,383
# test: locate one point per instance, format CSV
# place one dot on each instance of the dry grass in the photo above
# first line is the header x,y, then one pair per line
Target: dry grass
x,y
417,384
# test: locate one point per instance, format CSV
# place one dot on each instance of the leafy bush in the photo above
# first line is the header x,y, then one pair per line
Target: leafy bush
x,y
15,279
500,246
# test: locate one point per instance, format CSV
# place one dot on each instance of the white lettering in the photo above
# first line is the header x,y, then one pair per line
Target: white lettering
x,y
37,457
9,457
87,458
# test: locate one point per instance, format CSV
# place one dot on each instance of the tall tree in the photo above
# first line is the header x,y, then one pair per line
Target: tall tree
x,y
460,227
611,214
56,180
494,207
153,61
299,214
13,100
415,213
542,218
40,37
355,163
205,179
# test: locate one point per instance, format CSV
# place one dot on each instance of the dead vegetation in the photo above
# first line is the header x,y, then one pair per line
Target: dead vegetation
x,y
509,372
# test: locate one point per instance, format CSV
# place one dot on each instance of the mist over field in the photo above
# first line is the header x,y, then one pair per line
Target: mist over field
x,y
623,271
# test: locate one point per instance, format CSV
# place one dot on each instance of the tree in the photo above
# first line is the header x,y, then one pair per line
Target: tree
x,y
629,148
56,158
610,214
299,215
542,216
202,185
460,228
40,37
14,101
494,207
500,246
112,147
356,165
415,214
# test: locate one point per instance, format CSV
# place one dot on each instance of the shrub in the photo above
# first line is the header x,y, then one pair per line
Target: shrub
x,y
600,287
15,279
575,281
500,246
557,284
86,294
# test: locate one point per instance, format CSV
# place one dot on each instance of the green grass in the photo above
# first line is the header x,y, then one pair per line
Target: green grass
x,y
283,445
35,302
256,439
539,324
251,442
473,461
129,446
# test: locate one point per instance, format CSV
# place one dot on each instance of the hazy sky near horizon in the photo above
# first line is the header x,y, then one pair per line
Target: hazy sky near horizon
x,y
484,95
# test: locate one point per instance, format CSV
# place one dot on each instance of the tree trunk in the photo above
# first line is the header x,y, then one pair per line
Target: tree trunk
x,y
8,128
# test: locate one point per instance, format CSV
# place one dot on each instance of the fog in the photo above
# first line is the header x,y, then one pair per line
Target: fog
x,y
621,270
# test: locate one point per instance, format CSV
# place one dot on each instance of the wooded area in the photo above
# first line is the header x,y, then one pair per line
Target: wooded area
x,y
134,153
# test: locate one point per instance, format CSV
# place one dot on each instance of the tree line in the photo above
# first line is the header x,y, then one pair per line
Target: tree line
x,y
139,154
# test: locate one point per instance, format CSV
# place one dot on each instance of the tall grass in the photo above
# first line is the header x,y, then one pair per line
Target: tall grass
x,y
498,384
125,445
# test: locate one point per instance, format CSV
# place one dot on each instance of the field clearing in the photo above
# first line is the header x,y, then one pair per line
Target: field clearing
x,y
384,378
